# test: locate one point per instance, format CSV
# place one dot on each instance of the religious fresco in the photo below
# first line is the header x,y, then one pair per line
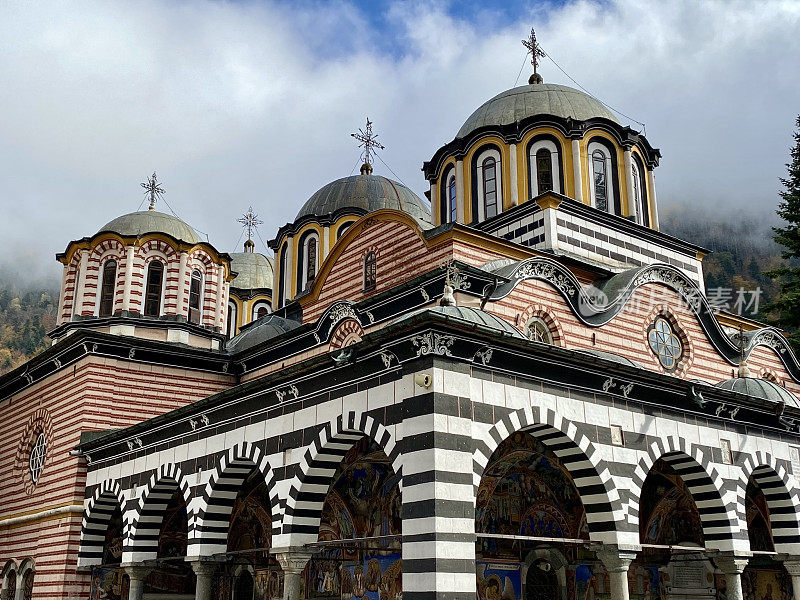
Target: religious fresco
x,y
109,583
766,583
363,501
498,581
526,490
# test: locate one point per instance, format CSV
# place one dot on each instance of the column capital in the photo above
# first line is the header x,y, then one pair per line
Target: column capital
x,y
731,564
792,565
137,571
293,561
203,567
616,559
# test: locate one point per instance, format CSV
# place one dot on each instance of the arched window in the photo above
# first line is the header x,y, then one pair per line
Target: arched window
x,y
544,171
307,261
10,585
488,185
342,228
283,285
107,288
601,170
231,321
260,309
452,208
195,290
538,331
640,192
27,585
155,279
370,271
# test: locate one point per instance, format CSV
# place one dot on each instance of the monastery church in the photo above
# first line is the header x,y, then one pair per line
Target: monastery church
x,y
513,388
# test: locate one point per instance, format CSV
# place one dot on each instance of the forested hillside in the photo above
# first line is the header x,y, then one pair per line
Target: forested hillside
x,y
27,313
742,250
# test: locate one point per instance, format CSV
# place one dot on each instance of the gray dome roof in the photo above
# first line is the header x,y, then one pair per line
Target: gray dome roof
x,y
611,356
151,221
253,270
260,331
367,192
538,99
760,388
469,315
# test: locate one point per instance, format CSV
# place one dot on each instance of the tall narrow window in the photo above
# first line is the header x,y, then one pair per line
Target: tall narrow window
x,y
544,171
489,188
231,321
155,278
451,199
637,192
311,260
27,586
107,288
370,271
194,297
76,309
600,180
640,192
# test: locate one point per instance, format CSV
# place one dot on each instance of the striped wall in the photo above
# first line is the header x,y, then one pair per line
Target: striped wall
x,y
441,439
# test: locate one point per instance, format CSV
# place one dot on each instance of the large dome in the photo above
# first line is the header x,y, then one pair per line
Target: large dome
x,y
151,221
253,271
760,388
366,192
518,103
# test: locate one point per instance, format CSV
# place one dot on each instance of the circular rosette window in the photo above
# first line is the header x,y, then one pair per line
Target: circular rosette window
x,y
665,343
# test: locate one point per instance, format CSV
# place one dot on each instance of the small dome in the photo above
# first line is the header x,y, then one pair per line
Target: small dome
x,y
253,271
518,103
471,316
150,221
369,193
760,388
260,331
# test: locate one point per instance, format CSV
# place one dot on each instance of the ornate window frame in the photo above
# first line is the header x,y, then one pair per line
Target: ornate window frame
x,y
602,146
487,154
158,260
196,276
258,306
538,144
106,285
664,334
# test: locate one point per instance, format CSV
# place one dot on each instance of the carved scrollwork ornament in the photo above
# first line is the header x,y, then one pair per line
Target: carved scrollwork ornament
x,y
433,343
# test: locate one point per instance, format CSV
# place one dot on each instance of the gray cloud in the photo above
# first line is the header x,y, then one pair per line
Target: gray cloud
x,y
233,106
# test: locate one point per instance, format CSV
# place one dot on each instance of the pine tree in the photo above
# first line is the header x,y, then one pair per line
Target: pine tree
x,y
786,310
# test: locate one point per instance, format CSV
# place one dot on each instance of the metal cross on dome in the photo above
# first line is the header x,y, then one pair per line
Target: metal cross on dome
x,y
153,189
250,220
368,141
534,49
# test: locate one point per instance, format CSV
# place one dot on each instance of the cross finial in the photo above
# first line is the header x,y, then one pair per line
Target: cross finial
x,y
369,141
153,189
536,52
250,221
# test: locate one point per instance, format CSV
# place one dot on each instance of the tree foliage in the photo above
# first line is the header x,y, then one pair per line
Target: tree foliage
x,y
27,313
785,311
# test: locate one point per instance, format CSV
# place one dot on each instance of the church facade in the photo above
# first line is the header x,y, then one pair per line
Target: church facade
x,y
515,388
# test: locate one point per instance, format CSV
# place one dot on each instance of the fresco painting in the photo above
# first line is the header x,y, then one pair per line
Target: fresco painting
x,y
109,583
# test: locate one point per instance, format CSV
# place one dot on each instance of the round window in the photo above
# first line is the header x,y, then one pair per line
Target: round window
x,y
38,455
665,343
538,331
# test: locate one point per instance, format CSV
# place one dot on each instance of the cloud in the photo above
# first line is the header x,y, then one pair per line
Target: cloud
x,y
251,103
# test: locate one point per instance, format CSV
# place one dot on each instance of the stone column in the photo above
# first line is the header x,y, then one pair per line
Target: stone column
x,y
627,161
461,209
792,566
438,499
80,285
137,573
181,309
733,567
651,182
292,563
204,571
617,562
126,288
220,309
577,170
512,171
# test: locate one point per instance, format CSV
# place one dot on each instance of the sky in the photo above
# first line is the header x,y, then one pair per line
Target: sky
x,y
246,103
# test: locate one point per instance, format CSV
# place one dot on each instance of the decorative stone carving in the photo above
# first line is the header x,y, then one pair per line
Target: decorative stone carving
x,y
342,311
549,272
433,343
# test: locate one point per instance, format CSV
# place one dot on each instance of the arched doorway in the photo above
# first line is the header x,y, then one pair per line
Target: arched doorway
x,y
363,501
243,587
532,527
172,574
108,579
